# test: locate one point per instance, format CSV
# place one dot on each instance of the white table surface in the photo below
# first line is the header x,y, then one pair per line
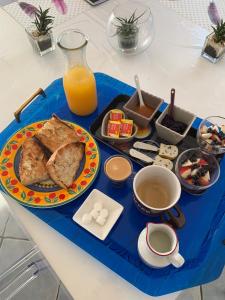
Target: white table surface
x,y
173,60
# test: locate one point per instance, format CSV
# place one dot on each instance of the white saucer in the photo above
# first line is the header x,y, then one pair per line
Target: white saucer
x,y
149,258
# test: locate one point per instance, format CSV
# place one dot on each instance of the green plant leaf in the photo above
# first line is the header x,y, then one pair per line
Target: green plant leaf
x,y
7,181
47,200
23,195
93,156
5,160
30,129
2,167
88,175
71,192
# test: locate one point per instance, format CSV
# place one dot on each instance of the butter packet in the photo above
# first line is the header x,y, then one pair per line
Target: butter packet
x,y
116,115
113,129
126,128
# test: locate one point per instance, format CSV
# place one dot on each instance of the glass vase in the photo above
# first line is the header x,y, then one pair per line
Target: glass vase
x,y
213,51
133,37
41,44
78,81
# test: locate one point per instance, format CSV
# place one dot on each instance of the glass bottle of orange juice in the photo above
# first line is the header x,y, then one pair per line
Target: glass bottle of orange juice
x,y
78,81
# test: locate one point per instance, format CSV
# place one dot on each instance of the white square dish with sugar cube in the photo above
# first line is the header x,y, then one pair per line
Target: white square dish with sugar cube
x,y
114,211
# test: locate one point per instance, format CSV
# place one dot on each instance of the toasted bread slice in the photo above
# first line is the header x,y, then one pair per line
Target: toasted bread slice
x,y
64,163
56,133
32,166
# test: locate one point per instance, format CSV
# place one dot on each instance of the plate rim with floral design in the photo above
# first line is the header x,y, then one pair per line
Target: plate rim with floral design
x,y
12,185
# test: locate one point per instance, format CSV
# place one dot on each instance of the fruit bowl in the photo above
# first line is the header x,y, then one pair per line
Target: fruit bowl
x,y
211,135
196,170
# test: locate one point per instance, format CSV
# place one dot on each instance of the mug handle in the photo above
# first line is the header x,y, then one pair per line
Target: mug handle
x,y
177,219
176,260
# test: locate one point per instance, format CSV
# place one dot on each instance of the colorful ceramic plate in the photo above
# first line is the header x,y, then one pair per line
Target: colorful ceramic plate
x,y
46,194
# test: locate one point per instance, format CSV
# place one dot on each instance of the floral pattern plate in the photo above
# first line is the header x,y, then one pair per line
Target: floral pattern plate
x,y
46,194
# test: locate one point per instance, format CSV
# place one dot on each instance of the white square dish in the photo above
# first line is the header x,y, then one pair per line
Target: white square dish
x,y
169,135
114,208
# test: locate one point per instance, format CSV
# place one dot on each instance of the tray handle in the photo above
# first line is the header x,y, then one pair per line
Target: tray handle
x,y
21,108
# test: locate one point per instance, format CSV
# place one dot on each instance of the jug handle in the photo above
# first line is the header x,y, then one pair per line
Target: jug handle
x,y
177,220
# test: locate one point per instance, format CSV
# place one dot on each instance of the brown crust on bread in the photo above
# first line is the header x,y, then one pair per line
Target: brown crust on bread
x,y
56,133
64,163
32,166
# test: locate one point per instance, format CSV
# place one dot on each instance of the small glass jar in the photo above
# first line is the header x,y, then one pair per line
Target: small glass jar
x,y
118,169
130,37
42,44
211,135
213,51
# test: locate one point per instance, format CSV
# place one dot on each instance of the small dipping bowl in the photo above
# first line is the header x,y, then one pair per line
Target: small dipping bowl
x,y
118,168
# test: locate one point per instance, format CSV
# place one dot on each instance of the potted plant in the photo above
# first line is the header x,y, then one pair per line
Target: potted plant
x,y
40,34
214,46
127,31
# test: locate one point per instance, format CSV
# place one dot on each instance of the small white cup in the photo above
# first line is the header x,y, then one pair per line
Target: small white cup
x,y
162,241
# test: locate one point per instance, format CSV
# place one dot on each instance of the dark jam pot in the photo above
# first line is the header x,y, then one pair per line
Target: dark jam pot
x,y
183,119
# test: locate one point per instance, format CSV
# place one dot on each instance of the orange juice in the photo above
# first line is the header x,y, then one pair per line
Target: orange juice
x,y
80,89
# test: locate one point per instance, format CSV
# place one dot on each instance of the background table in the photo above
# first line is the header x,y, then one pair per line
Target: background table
x,y
173,60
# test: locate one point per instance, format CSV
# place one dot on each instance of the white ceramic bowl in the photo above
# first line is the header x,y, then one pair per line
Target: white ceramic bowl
x,y
179,115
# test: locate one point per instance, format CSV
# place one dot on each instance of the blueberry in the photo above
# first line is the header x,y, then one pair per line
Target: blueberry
x,y
195,166
200,173
205,168
193,158
210,130
221,135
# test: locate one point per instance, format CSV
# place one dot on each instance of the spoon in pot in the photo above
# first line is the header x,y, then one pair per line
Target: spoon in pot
x,y
143,109
171,109
137,83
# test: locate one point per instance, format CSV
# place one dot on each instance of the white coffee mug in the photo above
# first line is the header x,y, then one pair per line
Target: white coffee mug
x,y
162,241
161,175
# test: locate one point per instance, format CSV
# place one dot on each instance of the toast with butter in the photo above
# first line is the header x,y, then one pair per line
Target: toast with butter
x,y
64,163
56,133
32,166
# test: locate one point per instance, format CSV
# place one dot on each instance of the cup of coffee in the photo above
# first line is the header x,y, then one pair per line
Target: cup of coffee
x,y
118,168
156,191
162,242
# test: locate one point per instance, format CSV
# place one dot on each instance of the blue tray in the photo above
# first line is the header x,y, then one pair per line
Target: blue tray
x,y
201,240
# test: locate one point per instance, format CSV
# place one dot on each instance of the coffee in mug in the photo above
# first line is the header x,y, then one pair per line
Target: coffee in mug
x,y
153,193
156,189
